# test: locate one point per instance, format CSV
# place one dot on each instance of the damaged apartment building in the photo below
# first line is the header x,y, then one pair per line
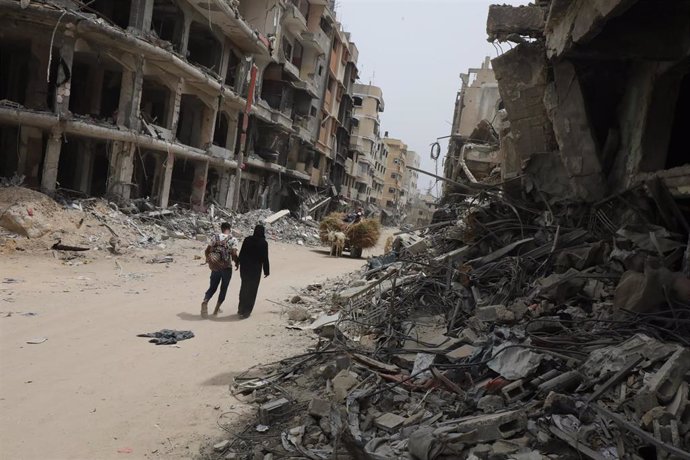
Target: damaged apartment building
x,y
175,100
588,100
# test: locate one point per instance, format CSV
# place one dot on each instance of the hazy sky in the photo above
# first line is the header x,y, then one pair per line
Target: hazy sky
x,y
415,50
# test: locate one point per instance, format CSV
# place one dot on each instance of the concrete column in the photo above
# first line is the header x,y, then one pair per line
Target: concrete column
x,y
231,189
51,161
224,185
199,185
208,126
174,107
578,147
141,14
121,169
130,96
224,59
30,154
64,84
96,76
85,168
167,180
184,38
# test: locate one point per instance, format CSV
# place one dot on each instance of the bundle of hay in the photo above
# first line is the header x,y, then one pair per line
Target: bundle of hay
x,y
332,222
365,234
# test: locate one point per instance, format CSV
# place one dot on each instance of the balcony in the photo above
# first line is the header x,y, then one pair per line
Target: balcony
x,y
363,197
317,40
348,166
356,144
293,19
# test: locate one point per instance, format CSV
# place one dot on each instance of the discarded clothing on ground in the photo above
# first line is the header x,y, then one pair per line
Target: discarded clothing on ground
x,y
167,336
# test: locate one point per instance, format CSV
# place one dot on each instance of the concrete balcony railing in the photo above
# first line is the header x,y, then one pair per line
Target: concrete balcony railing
x,y
317,40
294,20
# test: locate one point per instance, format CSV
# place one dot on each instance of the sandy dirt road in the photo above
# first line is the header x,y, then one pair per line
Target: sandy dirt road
x,y
93,390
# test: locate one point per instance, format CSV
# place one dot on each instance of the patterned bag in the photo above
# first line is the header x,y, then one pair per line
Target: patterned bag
x,y
220,255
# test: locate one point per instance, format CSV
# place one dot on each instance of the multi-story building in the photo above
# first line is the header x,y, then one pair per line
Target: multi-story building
x,y
410,179
380,163
146,98
421,210
393,195
366,143
303,84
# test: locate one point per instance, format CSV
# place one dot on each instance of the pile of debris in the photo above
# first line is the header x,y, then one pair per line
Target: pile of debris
x,y
186,223
508,330
98,224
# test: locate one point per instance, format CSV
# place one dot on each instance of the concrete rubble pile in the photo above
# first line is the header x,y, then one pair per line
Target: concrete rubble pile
x,y
508,330
99,224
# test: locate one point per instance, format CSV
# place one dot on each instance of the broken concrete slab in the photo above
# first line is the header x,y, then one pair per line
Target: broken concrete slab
x,y
389,422
343,382
665,382
490,427
319,408
506,20
277,216
491,404
272,410
495,314
221,446
463,352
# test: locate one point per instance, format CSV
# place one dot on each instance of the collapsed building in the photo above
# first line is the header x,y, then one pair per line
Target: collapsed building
x,y
593,98
175,100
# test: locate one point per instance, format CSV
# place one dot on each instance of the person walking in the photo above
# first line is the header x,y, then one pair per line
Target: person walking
x,y
252,260
220,253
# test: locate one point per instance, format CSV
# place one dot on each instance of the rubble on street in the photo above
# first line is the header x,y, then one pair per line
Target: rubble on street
x,y
99,224
509,330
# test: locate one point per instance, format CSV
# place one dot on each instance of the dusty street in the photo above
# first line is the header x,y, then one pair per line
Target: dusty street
x,y
93,390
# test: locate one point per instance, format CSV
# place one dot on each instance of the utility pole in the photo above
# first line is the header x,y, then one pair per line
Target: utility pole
x,y
243,139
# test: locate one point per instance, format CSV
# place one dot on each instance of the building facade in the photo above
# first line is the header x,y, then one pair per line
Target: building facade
x,y
393,196
147,98
365,145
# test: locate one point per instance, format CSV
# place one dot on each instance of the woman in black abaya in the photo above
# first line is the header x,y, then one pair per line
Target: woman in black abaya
x,y
253,259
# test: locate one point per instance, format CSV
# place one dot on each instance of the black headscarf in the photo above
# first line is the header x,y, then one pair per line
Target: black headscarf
x,y
260,231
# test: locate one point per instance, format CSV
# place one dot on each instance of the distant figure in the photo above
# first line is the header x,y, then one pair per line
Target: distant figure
x,y
253,258
220,253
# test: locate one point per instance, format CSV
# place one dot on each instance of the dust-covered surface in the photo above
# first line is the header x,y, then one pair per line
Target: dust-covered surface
x,y
86,386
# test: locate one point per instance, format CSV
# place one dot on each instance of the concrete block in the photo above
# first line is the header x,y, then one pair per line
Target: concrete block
x,y
665,382
277,216
272,410
514,391
343,382
497,313
467,335
319,408
389,422
463,352
221,446
490,427
491,404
